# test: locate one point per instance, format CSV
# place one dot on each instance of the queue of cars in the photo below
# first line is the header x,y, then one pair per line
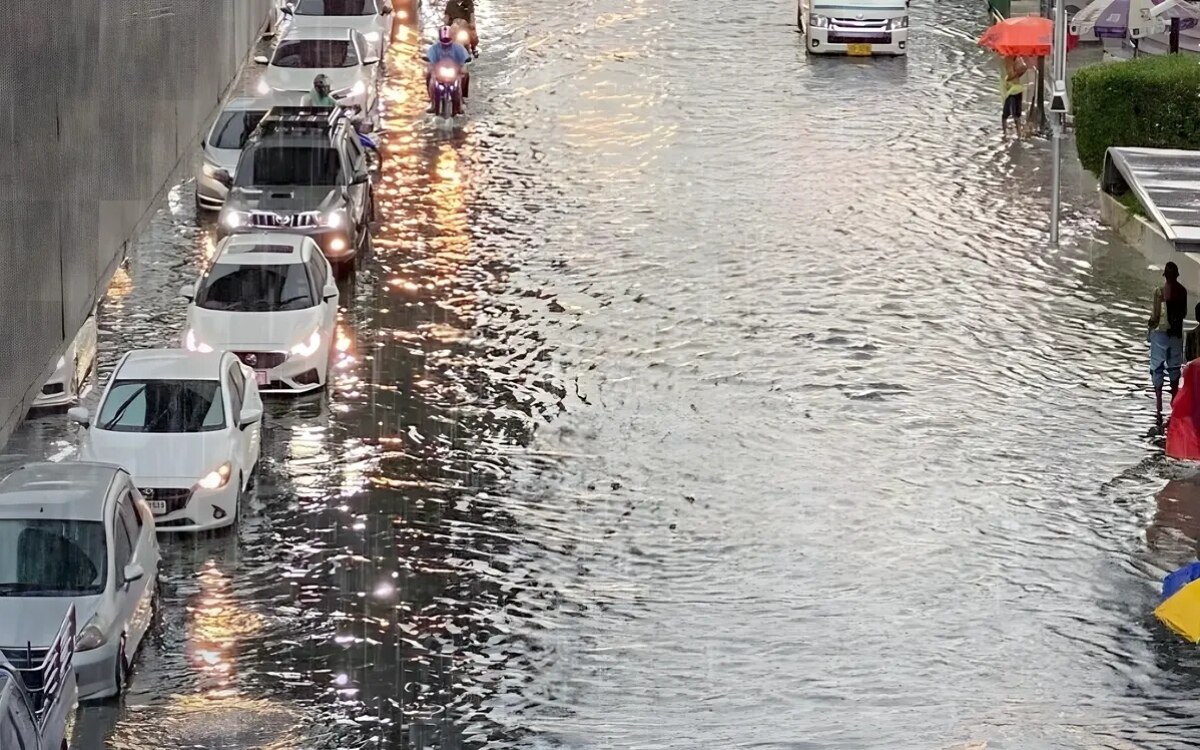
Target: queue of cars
x,y
175,440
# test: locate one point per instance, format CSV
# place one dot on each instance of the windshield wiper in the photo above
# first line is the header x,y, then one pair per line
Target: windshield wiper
x,y
121,411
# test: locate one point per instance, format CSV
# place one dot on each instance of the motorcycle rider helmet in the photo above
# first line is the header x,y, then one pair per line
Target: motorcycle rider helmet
x,y
321,85
445,37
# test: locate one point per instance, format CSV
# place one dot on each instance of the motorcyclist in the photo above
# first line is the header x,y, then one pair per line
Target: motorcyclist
x,y
463,10
320,95
446,49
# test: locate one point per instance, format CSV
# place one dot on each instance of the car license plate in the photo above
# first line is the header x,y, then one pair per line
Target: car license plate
x,y
158,507
858,50
260,376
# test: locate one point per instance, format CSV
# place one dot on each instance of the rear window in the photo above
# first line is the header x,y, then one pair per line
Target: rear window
x,y
315,53
234,127
336,8
265,166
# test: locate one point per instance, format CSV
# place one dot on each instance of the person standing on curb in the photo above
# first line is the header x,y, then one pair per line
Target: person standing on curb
x,y
1166,334
1012,91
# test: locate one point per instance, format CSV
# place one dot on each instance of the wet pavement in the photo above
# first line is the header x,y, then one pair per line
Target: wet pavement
x,y
696,393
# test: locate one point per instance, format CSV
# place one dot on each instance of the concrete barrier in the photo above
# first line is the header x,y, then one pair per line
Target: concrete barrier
x,y
104,100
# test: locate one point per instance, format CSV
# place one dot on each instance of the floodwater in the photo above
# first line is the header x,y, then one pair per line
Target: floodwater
x,y
697,394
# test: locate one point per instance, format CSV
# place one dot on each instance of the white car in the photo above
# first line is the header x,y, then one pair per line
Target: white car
x,y
371,18
76,534
75,366
344,56
187,426
272,300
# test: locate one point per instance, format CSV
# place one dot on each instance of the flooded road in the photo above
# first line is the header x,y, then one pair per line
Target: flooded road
x,y
696,393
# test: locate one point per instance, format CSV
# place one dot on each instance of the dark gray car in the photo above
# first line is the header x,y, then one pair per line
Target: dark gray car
x,y
303,171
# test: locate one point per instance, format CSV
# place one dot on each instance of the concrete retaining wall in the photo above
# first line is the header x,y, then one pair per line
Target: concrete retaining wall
x,y
105,97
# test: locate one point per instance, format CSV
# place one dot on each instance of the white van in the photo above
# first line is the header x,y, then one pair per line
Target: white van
x,y
854,27
38,693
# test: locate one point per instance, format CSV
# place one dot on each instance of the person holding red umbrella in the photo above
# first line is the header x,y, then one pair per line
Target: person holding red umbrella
x,y
1012,91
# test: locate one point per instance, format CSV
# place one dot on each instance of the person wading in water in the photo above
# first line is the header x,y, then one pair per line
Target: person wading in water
x,y
1166,333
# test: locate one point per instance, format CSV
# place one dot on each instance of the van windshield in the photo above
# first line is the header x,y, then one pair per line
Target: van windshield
x,y
45,557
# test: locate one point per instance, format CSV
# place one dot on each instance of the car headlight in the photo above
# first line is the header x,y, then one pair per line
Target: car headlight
x,y
61,361
233,219
194,345
335,219
358,89
309,347
217,478
818,22
898,23
92,636
447,73
210,170
264,88
372,36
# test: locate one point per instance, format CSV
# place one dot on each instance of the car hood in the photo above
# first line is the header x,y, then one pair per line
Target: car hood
x,y
301,79
179,459
34,620
242,331
286,199
224,158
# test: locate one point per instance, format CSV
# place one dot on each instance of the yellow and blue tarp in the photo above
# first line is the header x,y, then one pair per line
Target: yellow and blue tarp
x,y
1180,607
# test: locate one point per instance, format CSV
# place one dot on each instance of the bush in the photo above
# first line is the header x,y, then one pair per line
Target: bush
x,y
1150,102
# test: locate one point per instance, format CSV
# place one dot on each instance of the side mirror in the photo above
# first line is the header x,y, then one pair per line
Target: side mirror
x,y
288,10
361,178
203,143
79,415
370,60
262,60
134,572
331,295
387,10
188,292
249,416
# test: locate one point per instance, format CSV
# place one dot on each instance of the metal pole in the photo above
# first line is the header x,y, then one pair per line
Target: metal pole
x,y
1059,71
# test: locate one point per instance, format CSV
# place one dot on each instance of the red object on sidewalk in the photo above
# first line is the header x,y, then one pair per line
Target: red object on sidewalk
x,y
1183,433
1023,36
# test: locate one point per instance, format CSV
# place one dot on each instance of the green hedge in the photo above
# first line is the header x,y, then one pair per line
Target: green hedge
x,y
1152,102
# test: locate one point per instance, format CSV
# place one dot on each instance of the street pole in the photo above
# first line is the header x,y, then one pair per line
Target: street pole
x,y
1039,96
1059,72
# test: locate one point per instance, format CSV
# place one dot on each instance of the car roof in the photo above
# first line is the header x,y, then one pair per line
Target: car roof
x,y
66,490
263,249
170,364
338,33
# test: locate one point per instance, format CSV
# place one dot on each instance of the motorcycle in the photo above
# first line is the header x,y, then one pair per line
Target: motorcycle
x,y
365,133
466,35
446,83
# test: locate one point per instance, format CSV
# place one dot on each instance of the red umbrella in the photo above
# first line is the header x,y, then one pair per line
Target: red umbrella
x,y
1024,36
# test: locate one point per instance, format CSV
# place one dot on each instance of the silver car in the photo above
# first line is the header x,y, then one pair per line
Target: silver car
x,y
222,148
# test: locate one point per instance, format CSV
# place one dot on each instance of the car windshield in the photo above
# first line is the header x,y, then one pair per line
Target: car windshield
x,y
315,53
256,288
336,8
234,127
163,406
46,557
265,166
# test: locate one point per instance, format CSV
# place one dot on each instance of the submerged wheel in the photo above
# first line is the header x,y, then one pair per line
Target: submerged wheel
x,y
122,669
